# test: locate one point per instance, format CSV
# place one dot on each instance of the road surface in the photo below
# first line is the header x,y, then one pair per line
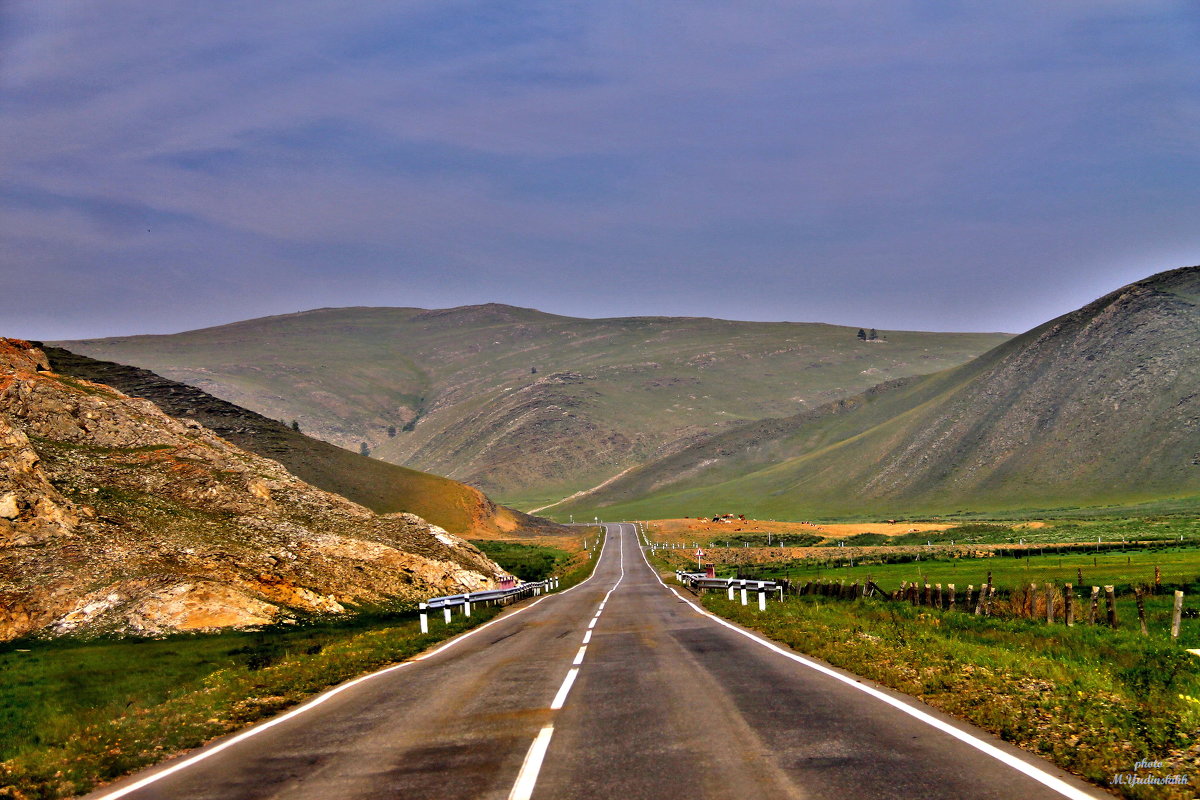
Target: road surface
x,y
618,688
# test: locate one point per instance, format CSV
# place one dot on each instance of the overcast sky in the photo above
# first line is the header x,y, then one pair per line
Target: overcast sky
x,y
936,165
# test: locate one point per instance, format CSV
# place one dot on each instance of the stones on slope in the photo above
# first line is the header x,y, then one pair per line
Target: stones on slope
x,y
116,518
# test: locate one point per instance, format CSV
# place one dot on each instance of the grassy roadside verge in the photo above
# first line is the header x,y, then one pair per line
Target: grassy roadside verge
x,y
1092,700
75,714
78,714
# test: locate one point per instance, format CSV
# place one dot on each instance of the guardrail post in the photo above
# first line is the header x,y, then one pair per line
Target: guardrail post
x,y
424,618
743,593
762,599
447,614
731,590
1176,614
467,604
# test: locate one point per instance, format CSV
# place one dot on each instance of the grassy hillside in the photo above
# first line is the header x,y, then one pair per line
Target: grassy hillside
x,y
382,487
1098,407
528,406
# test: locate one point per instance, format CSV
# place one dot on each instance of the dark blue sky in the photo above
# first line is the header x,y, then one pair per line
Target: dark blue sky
x,y
939,165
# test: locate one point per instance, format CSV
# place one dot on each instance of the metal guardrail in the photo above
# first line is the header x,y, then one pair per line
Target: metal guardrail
x,y
700,580
489,596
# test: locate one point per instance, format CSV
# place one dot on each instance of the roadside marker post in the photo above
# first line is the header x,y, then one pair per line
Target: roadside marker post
x,y
1176,614
467,604
447,610
730,591
762,599
424,618
743,593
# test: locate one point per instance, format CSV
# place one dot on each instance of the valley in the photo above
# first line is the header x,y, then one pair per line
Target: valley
x,y
527,406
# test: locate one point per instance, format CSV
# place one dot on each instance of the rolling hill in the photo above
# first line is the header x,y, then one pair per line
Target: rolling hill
x,y
528,406
1097,407
382,487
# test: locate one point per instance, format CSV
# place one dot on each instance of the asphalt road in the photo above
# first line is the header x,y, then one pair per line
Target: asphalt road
x,y
619,688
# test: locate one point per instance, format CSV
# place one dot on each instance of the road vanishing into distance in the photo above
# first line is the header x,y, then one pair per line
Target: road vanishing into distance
x,y
617,688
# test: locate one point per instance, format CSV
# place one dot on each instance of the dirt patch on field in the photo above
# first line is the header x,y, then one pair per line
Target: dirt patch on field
x,y
689,529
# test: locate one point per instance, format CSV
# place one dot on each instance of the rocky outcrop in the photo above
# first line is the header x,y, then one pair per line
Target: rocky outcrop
x,y
115,517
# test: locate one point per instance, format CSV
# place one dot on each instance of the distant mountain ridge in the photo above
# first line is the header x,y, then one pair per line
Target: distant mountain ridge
x,y
525,405
1096,407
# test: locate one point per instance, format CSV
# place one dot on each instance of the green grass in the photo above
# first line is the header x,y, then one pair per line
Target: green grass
x,y
1092,700
1178,565
530,562
77,713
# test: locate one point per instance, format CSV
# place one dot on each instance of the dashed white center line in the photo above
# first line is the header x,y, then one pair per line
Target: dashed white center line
x,y
561,697
527,778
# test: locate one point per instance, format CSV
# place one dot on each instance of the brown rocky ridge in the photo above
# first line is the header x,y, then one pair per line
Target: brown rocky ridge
x,y
116,518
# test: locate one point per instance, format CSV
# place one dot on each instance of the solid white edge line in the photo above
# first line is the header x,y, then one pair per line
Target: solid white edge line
x,y
579,656
527,777
321,698
1038,774
565,689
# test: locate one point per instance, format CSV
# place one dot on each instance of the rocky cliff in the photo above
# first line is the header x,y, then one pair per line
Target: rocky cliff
x,y
117,518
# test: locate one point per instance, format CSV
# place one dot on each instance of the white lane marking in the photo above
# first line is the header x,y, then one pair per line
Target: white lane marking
x,y
1038,774
321,698
527,777
563,690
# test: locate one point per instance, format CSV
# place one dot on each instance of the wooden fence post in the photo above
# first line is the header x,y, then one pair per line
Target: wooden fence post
x,y
939,597
1079,572
1176,614
1050,603
982,597
990,600
951,587
1141,608
1069,604
1157,579
925,598
1029,602
1095,610
1110,602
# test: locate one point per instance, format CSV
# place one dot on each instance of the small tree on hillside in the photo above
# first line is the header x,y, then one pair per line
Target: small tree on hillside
x,y
862,334
364,450
392,431
872,336
295,426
